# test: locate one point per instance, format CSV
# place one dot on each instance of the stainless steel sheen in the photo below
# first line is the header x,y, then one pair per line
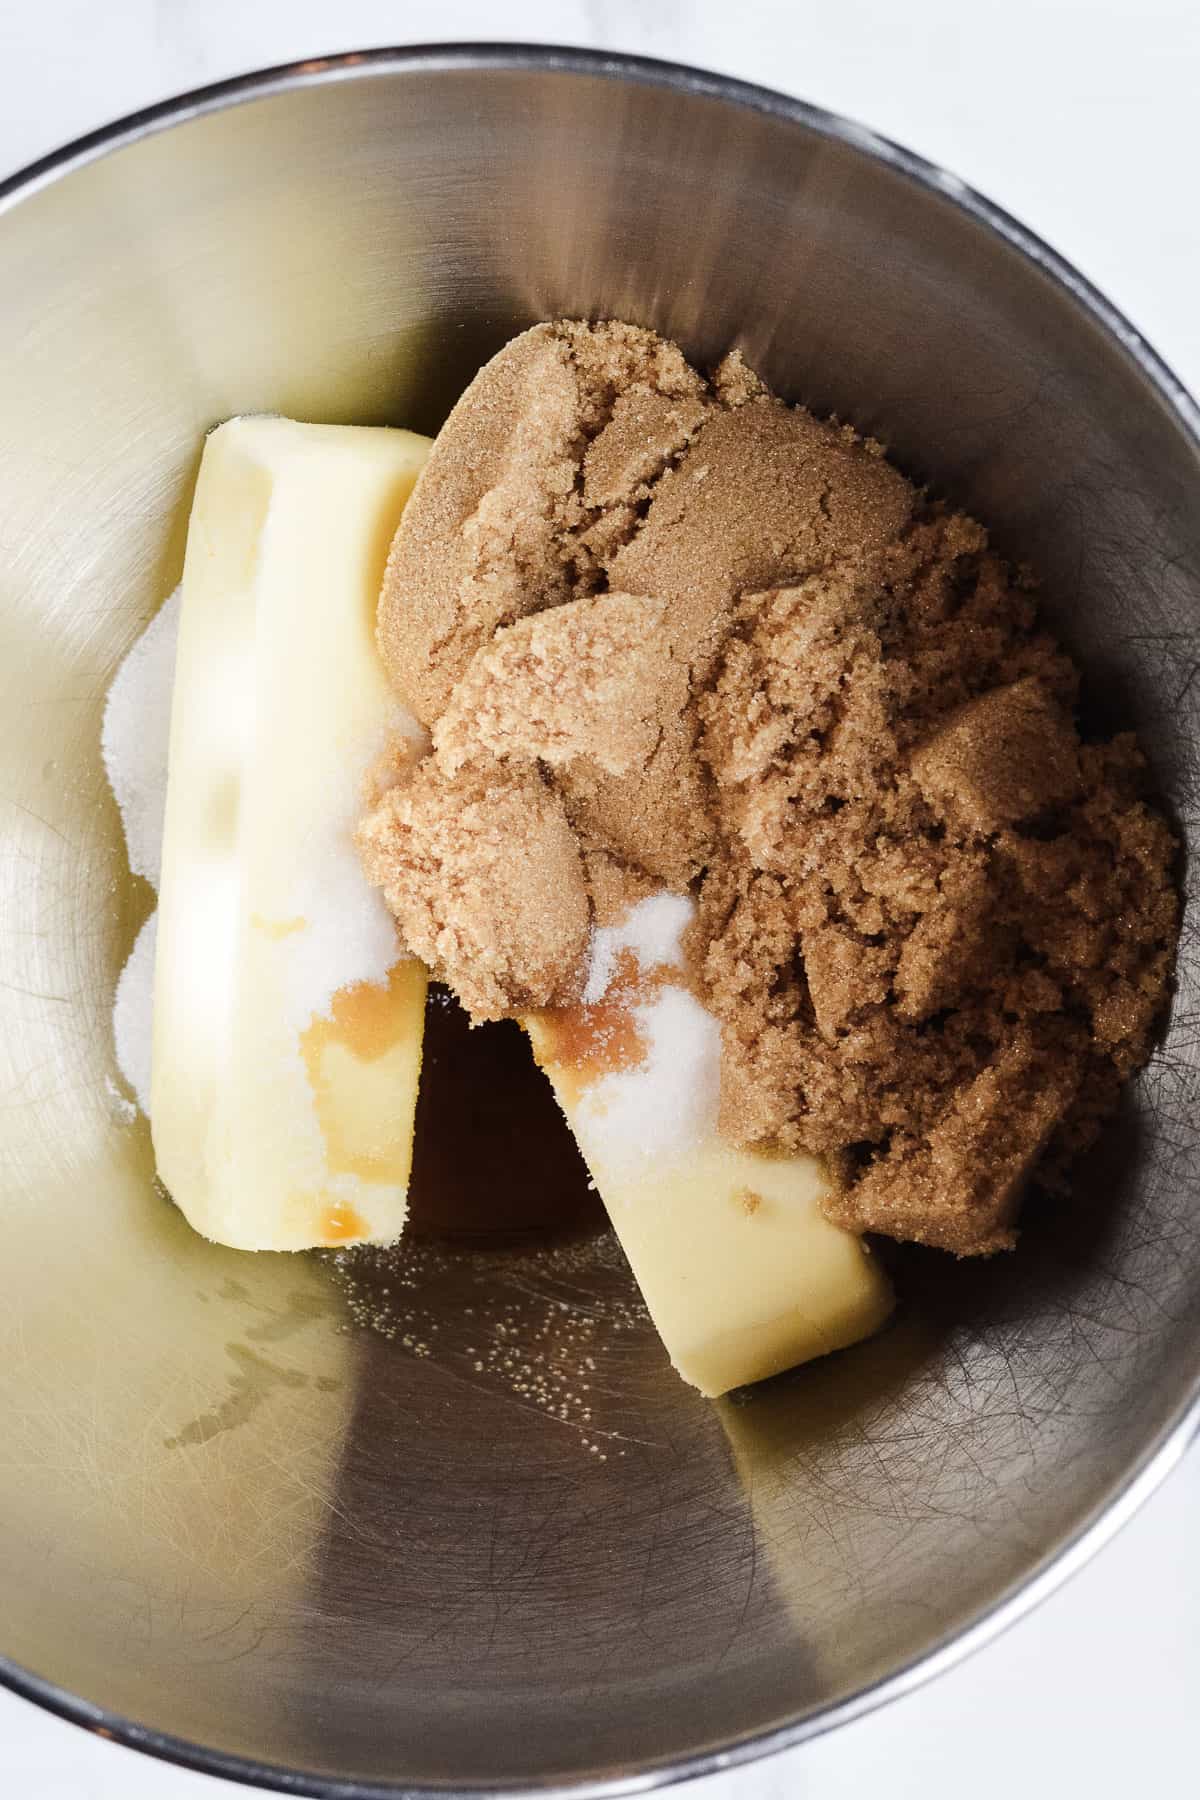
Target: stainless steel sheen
x,y
230,1529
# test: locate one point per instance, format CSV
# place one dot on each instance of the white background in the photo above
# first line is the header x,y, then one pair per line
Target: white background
x,y
1078,116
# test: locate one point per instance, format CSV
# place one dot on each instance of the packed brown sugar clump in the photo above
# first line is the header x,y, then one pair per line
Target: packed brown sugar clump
x,y
943,927
670,632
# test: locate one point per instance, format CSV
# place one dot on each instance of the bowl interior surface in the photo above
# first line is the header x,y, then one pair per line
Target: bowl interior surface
x,y
228,1512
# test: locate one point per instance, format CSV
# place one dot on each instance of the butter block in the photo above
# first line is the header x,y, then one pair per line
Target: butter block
x,y
741,1271
287,1027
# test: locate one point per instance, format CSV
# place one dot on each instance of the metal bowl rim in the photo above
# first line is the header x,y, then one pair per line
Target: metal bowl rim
x,y
1169,1445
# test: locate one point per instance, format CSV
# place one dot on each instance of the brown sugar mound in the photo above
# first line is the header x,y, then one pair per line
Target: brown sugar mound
x,y
498,525
669,632
762,495
960,1188
979,916
1007,756
592,678
486,882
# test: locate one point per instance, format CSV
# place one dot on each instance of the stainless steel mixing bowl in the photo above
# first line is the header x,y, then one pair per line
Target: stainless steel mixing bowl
x,y
234,1530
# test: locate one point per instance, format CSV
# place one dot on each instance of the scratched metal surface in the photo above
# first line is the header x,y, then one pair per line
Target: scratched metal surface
x,y
227,1512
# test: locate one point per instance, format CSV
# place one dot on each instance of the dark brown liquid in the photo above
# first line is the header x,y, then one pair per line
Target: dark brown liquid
x,y
493,1156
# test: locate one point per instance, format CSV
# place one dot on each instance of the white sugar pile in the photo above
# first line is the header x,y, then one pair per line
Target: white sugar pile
x,y
133,1013
136,734
135,738
349,935
668,1103
652,931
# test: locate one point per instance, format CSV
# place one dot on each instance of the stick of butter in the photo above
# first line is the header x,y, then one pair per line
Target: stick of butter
x,y
287,1030
741,1271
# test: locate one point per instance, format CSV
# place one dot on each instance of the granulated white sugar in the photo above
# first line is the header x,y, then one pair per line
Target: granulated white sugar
x,y
136,734
665,1106
123,1109
349,935
652,931
135,739
133,1013
668,1103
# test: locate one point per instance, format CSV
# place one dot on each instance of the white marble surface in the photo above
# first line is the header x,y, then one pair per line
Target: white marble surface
x,y
1074,114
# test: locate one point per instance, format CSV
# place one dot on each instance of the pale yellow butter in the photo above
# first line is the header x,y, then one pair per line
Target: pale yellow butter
x,y
287,1033
741,1271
